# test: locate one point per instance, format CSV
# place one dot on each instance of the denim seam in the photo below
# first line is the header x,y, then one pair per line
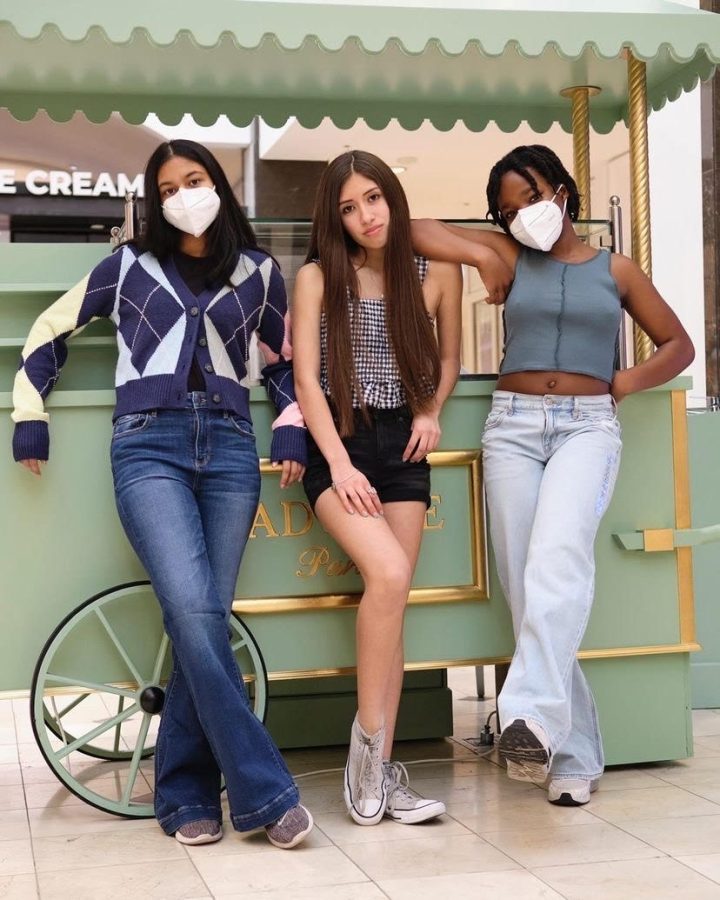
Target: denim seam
x,y
257,818
180,817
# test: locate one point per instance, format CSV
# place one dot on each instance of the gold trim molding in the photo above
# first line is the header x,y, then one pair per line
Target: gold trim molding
x,y
608,653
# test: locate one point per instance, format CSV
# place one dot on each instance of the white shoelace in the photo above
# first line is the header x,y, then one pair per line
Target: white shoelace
x,y
399,787
368,783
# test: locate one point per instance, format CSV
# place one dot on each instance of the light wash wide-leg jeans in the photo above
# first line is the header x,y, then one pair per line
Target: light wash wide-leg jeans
x,y
550,465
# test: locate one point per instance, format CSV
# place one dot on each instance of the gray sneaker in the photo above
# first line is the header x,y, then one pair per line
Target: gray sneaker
x,y
204,831
525,747
364,782
571,791
404,804
291,828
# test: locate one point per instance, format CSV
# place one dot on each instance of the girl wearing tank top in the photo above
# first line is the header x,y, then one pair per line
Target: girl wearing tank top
x,y
551,445
371,380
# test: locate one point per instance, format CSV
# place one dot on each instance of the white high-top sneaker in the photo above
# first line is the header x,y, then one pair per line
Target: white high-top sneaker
x,y
404,804
364,784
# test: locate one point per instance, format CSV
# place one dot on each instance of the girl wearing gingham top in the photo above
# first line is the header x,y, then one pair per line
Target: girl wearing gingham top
x,y
371,380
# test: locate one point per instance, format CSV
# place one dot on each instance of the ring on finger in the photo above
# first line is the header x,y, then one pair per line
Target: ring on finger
x,y
371,490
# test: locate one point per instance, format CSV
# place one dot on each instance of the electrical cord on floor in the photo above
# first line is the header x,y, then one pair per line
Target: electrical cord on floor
x,y
413,762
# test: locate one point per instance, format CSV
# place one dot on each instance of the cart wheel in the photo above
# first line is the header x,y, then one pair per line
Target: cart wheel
x,y
98,690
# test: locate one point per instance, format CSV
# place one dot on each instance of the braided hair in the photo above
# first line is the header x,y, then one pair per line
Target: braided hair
x,y
520,160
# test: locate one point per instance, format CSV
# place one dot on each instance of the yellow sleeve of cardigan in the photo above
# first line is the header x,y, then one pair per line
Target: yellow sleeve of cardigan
x,y
44,354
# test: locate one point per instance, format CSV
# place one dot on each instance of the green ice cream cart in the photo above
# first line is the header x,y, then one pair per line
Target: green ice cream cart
x,y
82,632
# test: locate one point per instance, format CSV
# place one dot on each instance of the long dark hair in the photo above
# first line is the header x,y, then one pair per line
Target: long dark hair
x,y
411,334
546,163
229,234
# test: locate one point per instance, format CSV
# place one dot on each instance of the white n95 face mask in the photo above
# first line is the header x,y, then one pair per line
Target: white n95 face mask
x,y
538,226
192,210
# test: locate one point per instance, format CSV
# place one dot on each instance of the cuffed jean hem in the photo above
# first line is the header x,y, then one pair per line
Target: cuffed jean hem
x,y
582,776
269,813
185,814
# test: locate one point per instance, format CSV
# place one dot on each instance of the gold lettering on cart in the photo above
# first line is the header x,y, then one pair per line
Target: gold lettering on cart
x,y
432,513
298,520
288,507
263,520
314,559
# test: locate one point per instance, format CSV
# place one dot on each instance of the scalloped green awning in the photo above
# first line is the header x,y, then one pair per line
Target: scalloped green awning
x,y
469,60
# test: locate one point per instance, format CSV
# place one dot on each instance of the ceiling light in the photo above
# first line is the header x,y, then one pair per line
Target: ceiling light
x,y
398,170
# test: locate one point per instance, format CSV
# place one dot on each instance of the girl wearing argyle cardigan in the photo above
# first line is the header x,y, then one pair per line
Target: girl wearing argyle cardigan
x,y
186,298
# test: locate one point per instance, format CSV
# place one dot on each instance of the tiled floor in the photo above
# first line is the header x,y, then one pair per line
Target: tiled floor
x,y
649,832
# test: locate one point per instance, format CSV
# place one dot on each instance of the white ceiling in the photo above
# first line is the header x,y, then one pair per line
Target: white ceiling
x,y
445,172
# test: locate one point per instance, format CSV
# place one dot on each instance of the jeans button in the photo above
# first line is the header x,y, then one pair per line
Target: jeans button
x,y
216,398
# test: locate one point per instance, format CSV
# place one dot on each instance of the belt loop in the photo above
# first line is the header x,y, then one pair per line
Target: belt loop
x,y
576,408
512,404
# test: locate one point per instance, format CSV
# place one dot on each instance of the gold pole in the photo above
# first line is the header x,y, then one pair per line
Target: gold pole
x,y
580,96
640,191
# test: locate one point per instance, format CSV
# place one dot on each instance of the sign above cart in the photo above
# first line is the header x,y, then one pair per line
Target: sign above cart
x,y
473,61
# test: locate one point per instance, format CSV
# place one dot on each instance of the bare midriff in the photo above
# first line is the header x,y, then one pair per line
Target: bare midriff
x,y
565,383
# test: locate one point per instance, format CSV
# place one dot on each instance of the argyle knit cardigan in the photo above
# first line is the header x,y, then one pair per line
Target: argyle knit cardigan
x,y
160,325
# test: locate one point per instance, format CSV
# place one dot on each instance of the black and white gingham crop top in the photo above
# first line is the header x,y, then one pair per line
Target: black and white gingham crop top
x,y
375,364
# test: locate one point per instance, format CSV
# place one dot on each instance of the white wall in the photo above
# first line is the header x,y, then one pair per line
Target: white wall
x,y
677,218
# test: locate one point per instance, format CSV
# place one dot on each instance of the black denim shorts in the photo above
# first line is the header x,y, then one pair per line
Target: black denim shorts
x,y
376,449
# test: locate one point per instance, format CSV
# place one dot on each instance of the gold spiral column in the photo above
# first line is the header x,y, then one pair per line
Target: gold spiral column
x,y
640,190
580,96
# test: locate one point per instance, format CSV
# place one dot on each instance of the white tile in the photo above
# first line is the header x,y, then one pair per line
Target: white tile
x,y
700,770
71,852
669,801
477,791
18,887
706,746
705,722
75,819
708,864
49,793
423,857
14,825
629,777
7,734
176,880
285,870
678,836
649,879
362,891
10,774
517,884
12,797
562,846
16,857
341,829
518,813
8,754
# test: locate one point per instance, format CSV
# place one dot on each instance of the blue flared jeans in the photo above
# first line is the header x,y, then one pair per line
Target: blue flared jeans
x,y
550,465
187,484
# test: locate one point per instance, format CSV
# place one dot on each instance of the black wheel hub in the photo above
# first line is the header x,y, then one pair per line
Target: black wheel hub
x,y
152,699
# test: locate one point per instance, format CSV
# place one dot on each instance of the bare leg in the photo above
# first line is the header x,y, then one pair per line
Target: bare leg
x,y
386,573
406,523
